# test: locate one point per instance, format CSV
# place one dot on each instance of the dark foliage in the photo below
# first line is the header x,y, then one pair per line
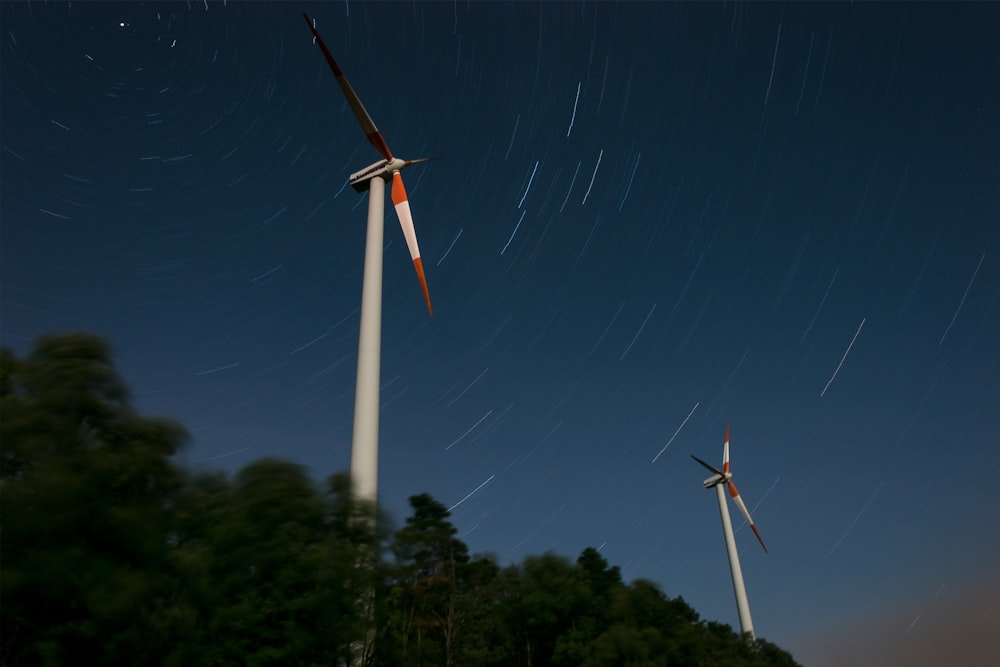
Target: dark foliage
x,y
113,555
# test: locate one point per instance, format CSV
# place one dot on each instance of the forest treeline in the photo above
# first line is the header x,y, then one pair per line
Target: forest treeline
x,y
112,554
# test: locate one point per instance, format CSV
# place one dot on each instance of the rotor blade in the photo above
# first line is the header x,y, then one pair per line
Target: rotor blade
x,y
421,159
406,222
374,136
746,513
712,468
725,452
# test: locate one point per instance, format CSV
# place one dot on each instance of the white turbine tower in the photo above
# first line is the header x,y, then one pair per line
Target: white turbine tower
x,y
364,445
719,479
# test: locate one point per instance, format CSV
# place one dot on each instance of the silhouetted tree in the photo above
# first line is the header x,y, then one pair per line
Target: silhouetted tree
x,y
425,593
86,576
597,583
545,602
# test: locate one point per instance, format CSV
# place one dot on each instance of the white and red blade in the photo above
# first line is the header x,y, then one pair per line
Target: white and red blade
x,y
725,453
735,495
402,205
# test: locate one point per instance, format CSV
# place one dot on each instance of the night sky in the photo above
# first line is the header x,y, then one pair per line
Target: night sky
x,y
648,221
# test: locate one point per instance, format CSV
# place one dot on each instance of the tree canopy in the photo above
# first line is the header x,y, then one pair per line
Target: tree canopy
x,y
112,554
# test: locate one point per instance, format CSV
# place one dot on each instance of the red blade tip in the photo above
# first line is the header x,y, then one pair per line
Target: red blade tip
x,y
419,266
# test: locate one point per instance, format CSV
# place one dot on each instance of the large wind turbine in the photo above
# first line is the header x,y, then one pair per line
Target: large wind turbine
x,y
719,479
364,445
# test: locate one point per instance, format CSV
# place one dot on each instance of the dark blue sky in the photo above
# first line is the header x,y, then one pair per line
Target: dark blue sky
x,y
648,221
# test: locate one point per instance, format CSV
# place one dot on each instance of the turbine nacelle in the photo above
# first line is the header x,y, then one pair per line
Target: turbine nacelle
x,y
717,479
384,169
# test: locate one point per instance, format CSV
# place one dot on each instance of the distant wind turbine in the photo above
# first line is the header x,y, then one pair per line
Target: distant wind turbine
x,y
719,479
364,446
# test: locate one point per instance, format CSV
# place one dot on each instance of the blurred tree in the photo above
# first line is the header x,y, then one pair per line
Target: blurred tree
x,y
86,486
261,541
355,546
196,508
281,566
